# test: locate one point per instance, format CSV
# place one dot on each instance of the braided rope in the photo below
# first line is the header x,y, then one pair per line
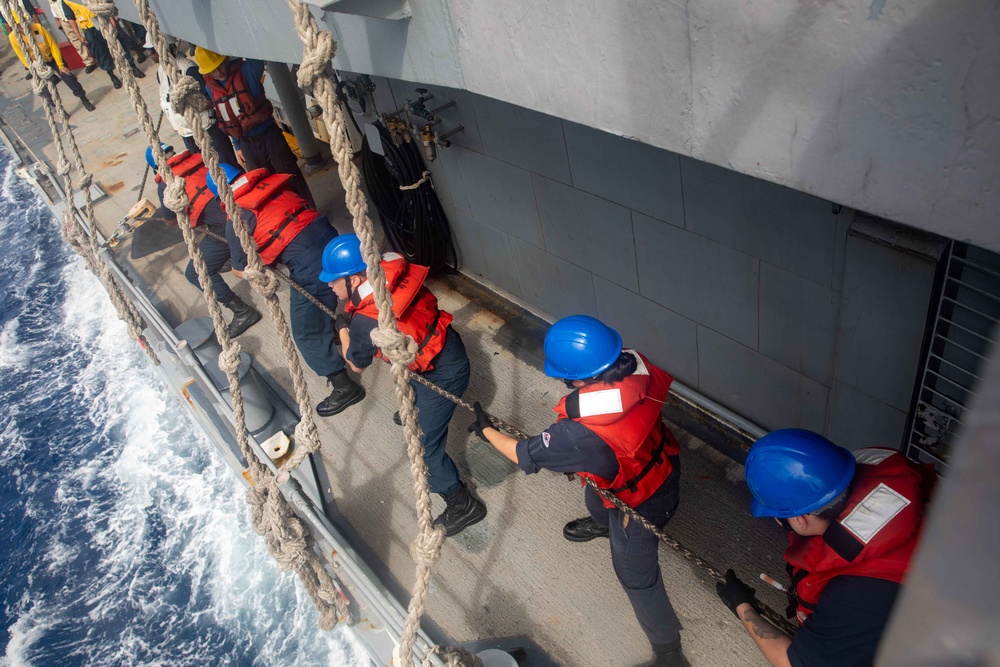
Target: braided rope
x,y
85,245
315,75
271,516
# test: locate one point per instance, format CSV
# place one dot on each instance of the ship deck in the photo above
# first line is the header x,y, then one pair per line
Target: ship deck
x,y
513,574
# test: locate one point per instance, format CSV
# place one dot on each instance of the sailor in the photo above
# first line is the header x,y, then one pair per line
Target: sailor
x,y
243,111
610,430
288,231
441,358
185,65
66,21
49,50
98,45
203,209
853,522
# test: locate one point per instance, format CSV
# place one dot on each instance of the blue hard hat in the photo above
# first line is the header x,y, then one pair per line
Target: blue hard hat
x,y
342,257
232,173
792,472
167,148
579,347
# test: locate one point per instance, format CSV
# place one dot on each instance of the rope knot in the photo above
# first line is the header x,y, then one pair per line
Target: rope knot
x,y
186,94
264,283
63,168
85,181
103,8
396,345
175,196
41,76
306,436
229,358
426,548
316,57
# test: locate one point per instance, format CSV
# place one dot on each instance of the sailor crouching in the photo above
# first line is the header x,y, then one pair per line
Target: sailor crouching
x,y
203,210
441,358
610,431
854,521
288,231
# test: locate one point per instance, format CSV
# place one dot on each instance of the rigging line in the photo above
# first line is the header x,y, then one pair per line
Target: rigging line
x,y
145,173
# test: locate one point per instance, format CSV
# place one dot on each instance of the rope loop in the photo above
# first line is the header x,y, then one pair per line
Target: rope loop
x,y
316,59
263,282
103,8
426,547
395,344
187,94
40,79
175,196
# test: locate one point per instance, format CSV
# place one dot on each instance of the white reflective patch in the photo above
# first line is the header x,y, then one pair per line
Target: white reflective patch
x,y
604,402
224,112
364,289
641,368
546,438
872,456
874,512
234,104
391,256
238,182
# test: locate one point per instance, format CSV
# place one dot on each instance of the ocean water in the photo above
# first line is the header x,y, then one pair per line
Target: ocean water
x,y
125,540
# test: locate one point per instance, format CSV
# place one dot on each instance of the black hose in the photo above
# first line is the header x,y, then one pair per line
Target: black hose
x,y
414,221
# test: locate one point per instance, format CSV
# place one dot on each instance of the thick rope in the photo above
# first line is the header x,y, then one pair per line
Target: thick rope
x,y
58,119
271,516
315,75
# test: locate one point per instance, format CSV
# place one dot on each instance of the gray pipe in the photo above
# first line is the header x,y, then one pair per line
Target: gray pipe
x,y
295,111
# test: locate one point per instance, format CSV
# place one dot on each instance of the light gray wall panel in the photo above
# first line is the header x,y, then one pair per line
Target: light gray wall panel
x,y
857,420
883,313
555,286
636,175
798,322
522,137
448,181
667,338
787,228
767,392
500,195
588,231
483,250
698,278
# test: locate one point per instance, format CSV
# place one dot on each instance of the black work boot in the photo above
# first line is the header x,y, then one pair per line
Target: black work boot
x,y
90,68
346,392
668,655
115,81
583,530
87,104
462,511
137,73
244,316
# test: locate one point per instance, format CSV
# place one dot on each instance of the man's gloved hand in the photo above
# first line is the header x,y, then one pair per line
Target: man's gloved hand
x,y
734,592
341,321
482,421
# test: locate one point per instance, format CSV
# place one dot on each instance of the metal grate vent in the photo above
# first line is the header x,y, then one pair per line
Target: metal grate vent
x,y
959,341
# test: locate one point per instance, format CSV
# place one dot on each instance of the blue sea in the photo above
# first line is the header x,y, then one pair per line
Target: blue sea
x,y
125,538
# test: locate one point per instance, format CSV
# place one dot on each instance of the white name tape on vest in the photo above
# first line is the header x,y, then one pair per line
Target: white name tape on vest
x,y
874,512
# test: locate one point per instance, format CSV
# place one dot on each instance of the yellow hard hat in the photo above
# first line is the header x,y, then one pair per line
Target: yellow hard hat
x,y
208,61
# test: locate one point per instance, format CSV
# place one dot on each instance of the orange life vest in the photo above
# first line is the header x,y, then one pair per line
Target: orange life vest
x,y
281,212
626,416
415,307
874,536
236,109
190,167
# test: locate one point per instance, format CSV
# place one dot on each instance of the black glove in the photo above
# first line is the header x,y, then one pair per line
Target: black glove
x,y
341,321
482,421
734,592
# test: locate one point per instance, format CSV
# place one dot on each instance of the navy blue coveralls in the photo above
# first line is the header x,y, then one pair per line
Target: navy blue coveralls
x,y
312,330
264,145
450,372
569,446
214,251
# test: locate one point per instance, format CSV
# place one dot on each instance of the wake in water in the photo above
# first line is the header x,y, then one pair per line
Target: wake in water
x,y
126,539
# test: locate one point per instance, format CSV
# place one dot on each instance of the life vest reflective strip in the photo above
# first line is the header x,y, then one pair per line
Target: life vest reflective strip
x,y
874,536
415,307
281,212
626,416
191,168
237,110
